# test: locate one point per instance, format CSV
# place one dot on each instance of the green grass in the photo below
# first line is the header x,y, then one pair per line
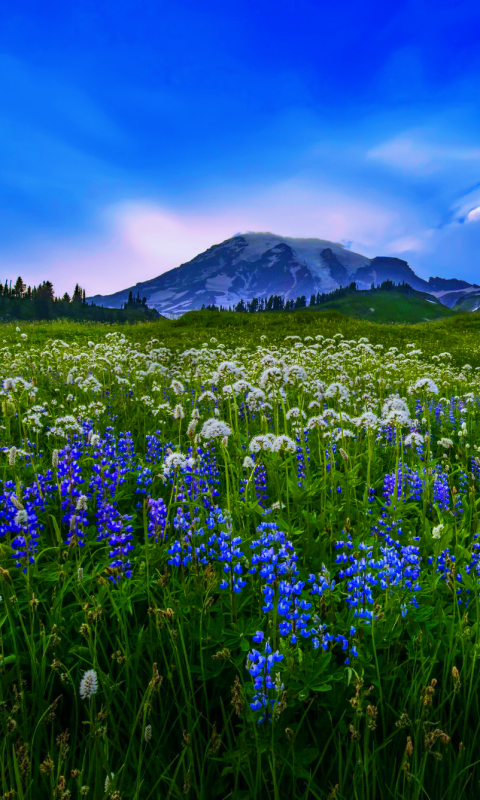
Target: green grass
x,y
385,307
168,644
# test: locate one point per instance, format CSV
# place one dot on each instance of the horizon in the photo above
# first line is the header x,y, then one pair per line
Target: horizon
x,y
134,140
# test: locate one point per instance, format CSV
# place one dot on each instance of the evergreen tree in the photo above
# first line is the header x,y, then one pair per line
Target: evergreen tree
x,y
19,288
77,294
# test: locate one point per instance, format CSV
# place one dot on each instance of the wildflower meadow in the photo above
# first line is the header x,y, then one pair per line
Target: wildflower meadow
x,y
240,560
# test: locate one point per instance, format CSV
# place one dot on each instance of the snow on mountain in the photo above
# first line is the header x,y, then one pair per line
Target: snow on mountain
x,y
260,264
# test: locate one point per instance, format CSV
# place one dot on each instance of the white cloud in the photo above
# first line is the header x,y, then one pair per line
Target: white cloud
x,y
413,152
473,215
142,239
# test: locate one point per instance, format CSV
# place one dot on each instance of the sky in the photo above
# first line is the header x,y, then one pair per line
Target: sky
x,y
136,134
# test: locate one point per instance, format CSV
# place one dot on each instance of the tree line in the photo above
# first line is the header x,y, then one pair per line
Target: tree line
x,y
276,302
19,301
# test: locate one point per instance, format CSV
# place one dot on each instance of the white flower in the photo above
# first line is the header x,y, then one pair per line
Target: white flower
x,y
262,442
437,532
88,684
177,387
395,411
423,384
337,391
213,428
81,503
445,442
207,396
316,422
413,439
367,420
248,463
178,412
191,428
295,413
174,461
283,442
21,517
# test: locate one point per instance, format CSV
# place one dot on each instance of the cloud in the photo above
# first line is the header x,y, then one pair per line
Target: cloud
x,y
408,152
140,239
474,215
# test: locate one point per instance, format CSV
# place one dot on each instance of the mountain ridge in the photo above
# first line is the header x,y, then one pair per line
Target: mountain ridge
x,y
258,264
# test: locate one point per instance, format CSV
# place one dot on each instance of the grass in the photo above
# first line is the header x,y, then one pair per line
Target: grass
x,y
387,307
163,575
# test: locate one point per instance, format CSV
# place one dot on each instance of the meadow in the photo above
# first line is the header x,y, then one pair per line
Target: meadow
x,y
240,558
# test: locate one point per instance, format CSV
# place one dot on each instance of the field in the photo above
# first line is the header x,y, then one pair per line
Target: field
x,y
240,558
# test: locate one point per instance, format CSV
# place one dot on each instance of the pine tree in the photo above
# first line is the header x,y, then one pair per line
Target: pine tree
x,y
19,288
77,294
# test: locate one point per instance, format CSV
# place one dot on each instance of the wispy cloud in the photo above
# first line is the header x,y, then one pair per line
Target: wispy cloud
x,y
408,152
138,240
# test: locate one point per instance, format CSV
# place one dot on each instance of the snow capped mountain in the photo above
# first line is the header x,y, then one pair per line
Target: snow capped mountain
x,y
261,264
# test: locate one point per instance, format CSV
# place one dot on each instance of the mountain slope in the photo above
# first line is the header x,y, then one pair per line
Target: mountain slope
x,y
260,264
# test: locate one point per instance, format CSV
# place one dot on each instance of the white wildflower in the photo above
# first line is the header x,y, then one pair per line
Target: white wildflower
x,y
21,517
213,428
177,387
437,532
445,442
282,443
425,385
262,442
88,684
395,411
178,412
413,439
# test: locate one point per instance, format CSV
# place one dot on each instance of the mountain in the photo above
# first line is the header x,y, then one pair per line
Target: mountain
x,y
260,264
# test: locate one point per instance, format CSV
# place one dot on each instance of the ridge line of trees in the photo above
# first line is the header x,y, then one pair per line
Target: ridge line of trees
x,y
39,302
278,303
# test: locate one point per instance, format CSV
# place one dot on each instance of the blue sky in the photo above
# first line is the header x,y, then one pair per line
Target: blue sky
x,y
134,135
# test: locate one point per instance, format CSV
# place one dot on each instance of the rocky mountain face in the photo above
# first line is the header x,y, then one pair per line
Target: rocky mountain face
x,y
260,264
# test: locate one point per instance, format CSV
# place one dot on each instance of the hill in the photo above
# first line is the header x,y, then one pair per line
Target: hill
x,y
386,306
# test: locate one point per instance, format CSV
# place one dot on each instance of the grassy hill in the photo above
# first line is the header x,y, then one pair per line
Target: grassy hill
x,y
386,306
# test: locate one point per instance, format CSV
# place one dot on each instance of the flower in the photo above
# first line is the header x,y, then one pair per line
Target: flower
x,y
214,428
445,442
425,384
88,684
437,532
283,442
413,439
178,412
263,442
177,387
